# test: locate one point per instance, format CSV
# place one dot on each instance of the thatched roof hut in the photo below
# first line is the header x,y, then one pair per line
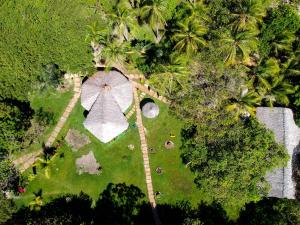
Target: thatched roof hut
x,y
106,96
281,122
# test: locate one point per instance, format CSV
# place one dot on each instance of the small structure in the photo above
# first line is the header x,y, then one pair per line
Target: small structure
x,y
150,110
169,144
88,164
281,122
107,96
76,140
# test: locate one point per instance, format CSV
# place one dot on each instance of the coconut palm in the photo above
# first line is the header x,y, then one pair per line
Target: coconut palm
x,y
153,13
172,76
237,46
247,14
275,89
198,9
283,43
122,20
189,36
245,104
273,86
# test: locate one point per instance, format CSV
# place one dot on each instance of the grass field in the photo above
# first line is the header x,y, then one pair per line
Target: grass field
x,y
119,163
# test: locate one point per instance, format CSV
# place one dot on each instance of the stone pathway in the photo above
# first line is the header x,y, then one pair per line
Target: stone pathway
x,y
26,161
144,148
150,92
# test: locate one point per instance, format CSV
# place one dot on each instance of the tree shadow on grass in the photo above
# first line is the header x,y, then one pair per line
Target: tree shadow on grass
x,y
119,204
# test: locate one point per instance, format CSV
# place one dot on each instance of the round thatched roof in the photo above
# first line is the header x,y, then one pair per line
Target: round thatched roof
x,y
150,110
107,96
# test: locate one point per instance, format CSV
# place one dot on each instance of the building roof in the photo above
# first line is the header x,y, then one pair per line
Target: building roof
x,y
150,110
281,122
113,82
107,96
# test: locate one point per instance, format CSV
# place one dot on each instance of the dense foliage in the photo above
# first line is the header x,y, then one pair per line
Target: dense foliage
x,y
217,60
35,34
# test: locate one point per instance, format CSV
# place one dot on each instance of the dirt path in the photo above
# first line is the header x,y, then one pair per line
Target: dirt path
x,y
25,161
144,148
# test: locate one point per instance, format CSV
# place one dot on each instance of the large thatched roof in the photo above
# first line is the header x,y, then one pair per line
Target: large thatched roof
x,y
107,96
281,122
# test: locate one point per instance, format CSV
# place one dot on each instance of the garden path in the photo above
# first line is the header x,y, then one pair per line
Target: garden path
x,y
144,147
25,161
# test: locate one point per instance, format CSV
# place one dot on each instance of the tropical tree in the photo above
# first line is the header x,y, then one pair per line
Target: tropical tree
x,y
275,89
247,14
171,76
115,53
273,86
153,13
245,104
44,163
237,46
189,36
122,20
282,43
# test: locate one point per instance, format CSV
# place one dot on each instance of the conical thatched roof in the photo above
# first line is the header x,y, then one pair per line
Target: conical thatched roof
x,y
107,96
150,110
281,122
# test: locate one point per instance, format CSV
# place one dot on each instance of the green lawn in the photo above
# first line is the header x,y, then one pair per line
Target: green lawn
x,y
51,101
119,163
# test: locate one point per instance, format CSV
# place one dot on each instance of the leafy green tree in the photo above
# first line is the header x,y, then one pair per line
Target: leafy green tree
x,y
9,176
237,46
7,208
15,119
230,165
271,211
189,36
281,20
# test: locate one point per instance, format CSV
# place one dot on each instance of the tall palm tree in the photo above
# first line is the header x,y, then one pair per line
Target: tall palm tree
x,y
245,104
189,36
237,46
275,89
153,13
122,20
198,9
247,14
283,43
171,76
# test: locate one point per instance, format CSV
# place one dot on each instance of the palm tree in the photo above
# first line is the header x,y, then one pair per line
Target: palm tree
x,y
237,46
153,13
273,86
275,89
172,76
198,9
121,21
189,36
283,43
245,104
247,14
